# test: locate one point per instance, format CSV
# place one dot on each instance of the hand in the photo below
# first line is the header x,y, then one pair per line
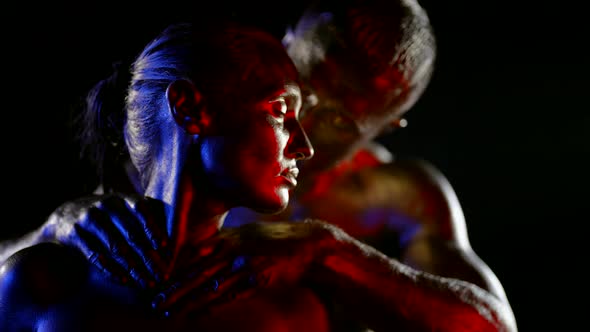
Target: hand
x,y
125,238
240,261
213,273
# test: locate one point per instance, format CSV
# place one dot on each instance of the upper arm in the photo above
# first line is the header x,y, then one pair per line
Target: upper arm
x,y
35,280
443,247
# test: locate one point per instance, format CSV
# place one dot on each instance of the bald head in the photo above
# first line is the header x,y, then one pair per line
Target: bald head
x,y
390,43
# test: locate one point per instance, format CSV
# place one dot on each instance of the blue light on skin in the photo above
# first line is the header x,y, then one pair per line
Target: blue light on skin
x,y
239,262
404,225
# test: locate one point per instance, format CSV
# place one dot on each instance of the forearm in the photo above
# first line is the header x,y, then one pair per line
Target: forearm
x,y
388,295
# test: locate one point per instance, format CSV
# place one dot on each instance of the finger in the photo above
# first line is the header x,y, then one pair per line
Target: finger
x,y
219,291
105,228
214,247
153,220
98,255
131,226
232,281
190,283
207,260
203,259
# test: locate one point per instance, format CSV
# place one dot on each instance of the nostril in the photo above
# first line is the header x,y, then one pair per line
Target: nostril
x,y
304,154
300,156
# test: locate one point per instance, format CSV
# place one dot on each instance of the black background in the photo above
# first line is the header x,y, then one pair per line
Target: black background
x,y
505,118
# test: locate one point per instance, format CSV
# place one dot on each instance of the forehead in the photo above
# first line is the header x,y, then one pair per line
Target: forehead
x,y
266,74
289,91
271,87
352,87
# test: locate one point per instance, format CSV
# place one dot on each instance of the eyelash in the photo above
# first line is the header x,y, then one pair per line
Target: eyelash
x,y
278,114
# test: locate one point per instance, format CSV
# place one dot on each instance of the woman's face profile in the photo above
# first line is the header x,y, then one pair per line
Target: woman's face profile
x,y
252,157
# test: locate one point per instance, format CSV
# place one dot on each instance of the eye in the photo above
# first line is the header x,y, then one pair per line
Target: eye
x,y
278,107
339,121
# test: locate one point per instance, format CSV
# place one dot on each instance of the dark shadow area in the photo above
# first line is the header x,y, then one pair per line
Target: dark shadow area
x,y
506,118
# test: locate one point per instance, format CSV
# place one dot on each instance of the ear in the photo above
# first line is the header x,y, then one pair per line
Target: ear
x,y
397,123
187,107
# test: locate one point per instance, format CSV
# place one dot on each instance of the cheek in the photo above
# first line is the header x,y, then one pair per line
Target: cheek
x,y
211,152
259,171
260,151
264,143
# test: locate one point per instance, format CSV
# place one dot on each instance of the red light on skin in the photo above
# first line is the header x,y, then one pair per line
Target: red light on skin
x,y
324,181
290,175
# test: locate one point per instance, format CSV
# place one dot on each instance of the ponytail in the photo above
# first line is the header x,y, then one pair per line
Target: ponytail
x,y
101,120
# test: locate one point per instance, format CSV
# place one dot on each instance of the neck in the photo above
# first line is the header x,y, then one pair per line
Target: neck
x,y
192,213
192,216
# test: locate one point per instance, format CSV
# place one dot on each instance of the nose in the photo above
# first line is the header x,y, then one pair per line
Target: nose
x,y
299,147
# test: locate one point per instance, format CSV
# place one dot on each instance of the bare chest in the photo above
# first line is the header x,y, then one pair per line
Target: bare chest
x,y
361,202
292,310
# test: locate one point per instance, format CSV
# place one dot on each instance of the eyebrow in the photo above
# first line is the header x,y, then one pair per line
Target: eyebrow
x,y
289,92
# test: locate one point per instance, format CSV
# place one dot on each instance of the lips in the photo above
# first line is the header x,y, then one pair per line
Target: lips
x,y
290,174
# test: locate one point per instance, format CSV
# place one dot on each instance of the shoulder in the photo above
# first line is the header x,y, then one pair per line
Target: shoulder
x,y
422,178
81,205
419,170
63,218
416,170
35,278
427,196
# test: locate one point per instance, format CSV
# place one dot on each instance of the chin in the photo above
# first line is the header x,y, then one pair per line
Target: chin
x,y
275,204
